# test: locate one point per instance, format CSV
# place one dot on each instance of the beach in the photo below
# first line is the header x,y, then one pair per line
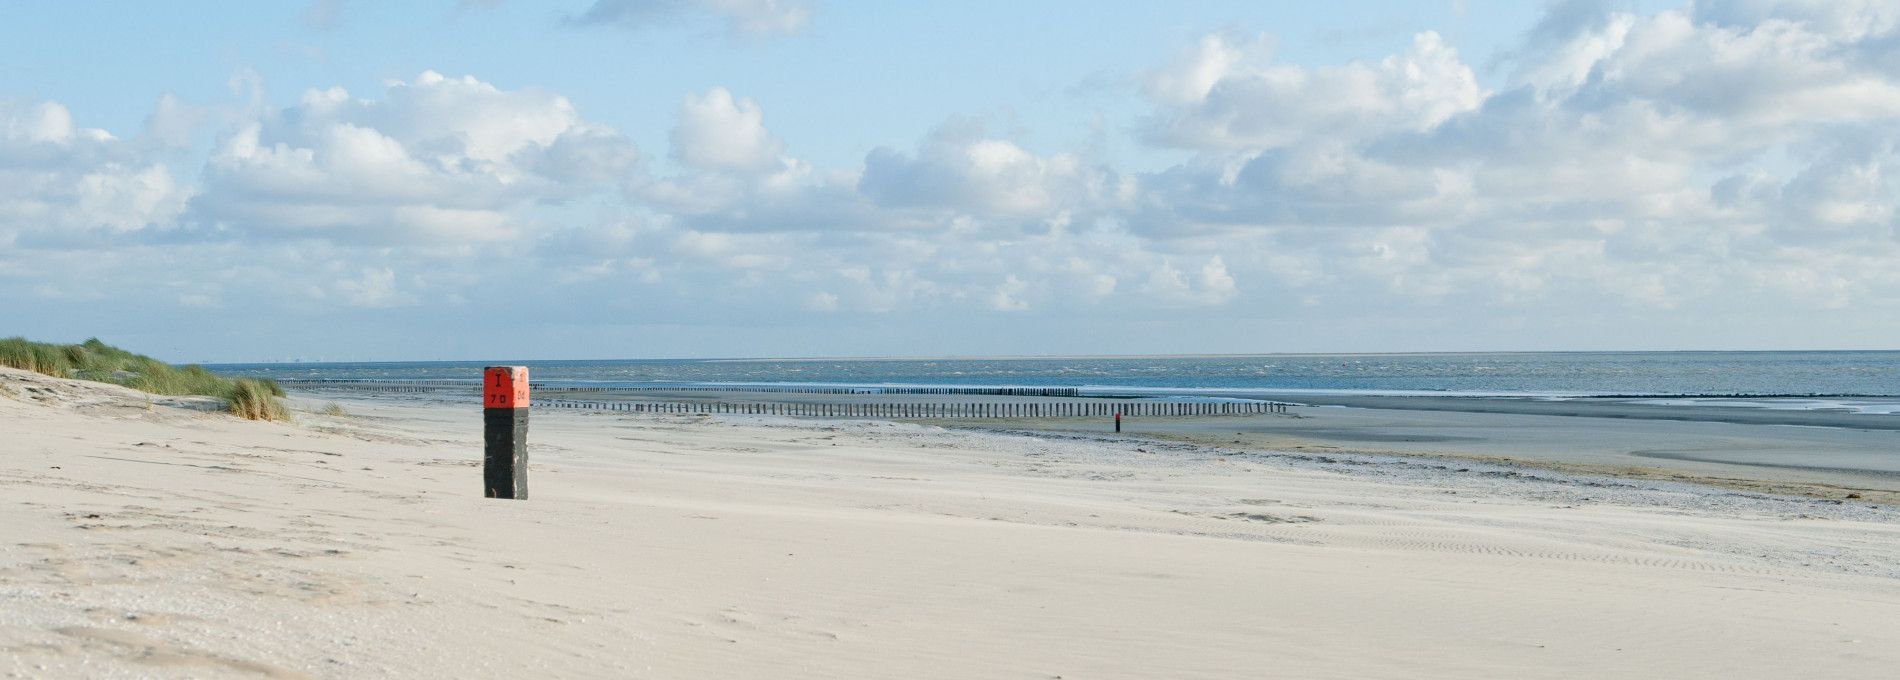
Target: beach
x,y
157,539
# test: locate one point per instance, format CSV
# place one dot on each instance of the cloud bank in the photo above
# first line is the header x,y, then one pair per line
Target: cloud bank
x,y
1722,167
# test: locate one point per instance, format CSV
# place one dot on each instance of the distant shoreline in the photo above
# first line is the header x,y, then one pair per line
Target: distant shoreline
x,y
1621,407
1055,357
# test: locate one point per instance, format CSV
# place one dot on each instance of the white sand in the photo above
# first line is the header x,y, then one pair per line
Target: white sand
x,y
168,543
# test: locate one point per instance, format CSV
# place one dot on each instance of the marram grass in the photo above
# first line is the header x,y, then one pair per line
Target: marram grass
x,y
100,362
256,400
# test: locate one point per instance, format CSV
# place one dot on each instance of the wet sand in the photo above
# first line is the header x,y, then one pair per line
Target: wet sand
x,y
1645,442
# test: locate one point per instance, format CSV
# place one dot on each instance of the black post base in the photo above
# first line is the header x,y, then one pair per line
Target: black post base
x,y
505,459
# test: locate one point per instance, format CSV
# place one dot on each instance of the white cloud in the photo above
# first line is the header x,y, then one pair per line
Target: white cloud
x,y
374,288
62,185
1008,295
961,168
44,123
437,160
1211,285
1214,282
1658,159
719,132
1770,73
174,124
1216,98
960,177
1195,72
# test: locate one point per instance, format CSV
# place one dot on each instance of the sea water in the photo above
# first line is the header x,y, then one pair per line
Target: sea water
x,y
1869,379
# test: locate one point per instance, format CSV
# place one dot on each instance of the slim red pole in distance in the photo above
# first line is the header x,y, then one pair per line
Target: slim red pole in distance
x,y
505,432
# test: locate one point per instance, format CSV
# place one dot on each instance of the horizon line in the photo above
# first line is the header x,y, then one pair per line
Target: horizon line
x,y
1024,357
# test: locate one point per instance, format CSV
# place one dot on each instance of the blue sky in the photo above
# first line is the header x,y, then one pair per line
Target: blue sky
x,y
1051,66
658,178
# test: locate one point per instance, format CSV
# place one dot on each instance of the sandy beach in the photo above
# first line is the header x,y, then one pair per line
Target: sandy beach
x,y
153,540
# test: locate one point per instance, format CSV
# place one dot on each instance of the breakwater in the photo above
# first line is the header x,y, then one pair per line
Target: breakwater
x,y
828,402
929,410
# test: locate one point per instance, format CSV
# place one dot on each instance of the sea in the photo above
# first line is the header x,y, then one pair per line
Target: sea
x,y
1857,381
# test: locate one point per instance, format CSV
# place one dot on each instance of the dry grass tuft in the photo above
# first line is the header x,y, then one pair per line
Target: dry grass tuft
x,y
99,362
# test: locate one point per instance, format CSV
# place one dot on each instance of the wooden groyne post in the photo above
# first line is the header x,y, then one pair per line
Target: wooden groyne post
x,y
505,432
1114,409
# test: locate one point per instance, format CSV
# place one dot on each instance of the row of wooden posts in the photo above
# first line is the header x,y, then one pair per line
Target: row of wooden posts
x,y
437,385
366,386
778,389
1063,409
370,382
505,408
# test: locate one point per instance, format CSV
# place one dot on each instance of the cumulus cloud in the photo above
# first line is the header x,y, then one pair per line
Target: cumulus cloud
x,y
1661,159
1210,285
1008,295
959,178
1223,95
63,185
960,167
719,132
436,159
374,288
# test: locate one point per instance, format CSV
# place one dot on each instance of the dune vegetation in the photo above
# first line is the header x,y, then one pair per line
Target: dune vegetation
x,y
100,362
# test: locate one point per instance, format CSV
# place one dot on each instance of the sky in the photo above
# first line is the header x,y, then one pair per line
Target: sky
x,y
478,179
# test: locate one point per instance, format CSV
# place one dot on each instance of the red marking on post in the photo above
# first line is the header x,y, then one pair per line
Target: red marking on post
x,y
505,387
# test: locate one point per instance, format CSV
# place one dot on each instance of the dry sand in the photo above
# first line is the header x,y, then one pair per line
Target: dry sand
x,y
166,542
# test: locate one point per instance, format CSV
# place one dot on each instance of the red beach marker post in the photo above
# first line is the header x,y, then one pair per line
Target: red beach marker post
x,y
505,432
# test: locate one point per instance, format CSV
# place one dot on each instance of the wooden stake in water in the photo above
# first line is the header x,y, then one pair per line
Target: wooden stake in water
x,y
505,432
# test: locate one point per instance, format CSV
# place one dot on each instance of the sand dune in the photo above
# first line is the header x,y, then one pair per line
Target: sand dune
x,y
167,542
